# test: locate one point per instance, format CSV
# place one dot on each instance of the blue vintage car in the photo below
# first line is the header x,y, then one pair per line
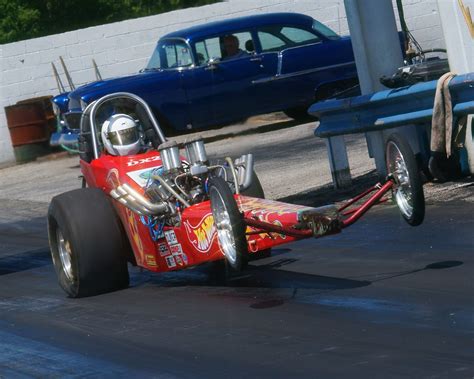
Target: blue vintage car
x,y
225,71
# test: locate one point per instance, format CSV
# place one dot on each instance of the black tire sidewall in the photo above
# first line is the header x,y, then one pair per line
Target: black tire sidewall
x,y
89,222
57,220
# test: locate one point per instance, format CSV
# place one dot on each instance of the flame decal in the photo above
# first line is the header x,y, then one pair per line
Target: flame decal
x,y
202,235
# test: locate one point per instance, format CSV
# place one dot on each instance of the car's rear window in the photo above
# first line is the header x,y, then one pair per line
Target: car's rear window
x,y
324,30
277,37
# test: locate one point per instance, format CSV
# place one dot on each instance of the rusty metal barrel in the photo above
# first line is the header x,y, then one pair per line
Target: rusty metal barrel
x,y
30,123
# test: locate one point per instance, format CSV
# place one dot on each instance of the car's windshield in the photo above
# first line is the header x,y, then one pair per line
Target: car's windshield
x,y
170,53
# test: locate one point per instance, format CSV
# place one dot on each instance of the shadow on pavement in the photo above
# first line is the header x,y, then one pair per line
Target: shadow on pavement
x,y
390,275
24,261
327,194
262,276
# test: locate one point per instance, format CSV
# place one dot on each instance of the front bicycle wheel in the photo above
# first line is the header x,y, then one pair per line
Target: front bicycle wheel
x,y
229,223
408,188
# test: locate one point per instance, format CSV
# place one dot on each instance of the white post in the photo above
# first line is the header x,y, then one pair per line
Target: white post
x,y
377,52
338,162
457,21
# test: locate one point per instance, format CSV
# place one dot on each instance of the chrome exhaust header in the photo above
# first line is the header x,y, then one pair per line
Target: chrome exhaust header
x,y
136,202
244,167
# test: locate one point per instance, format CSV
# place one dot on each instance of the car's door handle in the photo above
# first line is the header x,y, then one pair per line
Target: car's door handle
x,y
256,59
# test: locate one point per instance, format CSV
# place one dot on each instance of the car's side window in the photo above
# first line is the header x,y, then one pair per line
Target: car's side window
x,y
207,49
277,38
170,54
270,42
225,47
177,55
299,36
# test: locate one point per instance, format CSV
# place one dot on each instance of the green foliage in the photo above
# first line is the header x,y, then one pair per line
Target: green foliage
x,y
24,19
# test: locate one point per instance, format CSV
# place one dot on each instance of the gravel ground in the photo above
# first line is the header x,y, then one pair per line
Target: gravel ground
x,y
292,165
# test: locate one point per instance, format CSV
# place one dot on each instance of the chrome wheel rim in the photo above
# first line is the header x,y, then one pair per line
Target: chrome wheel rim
x,y
65,254
402,190
225,234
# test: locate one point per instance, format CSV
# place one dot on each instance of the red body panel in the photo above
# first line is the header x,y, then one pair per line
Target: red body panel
x,y
194,241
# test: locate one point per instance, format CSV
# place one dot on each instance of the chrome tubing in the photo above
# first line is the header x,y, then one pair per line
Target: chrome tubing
x,y
159,208
122,200
127,196
171,190
248,164
234,175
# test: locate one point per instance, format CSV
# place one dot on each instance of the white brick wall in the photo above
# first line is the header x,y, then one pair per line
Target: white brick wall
x,y
123,48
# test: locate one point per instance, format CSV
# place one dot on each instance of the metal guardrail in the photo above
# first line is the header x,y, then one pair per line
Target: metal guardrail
x,y
407,106
390,108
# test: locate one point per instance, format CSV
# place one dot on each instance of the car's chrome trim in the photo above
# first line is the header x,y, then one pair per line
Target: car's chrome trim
x,y
299,73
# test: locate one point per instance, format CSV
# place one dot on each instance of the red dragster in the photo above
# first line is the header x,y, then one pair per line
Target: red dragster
x,y
162,211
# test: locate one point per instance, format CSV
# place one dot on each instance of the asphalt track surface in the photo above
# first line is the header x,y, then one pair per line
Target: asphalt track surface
x,y
381,299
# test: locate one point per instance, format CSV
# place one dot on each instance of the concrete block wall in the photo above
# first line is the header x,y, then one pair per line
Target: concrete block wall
x,y
124,47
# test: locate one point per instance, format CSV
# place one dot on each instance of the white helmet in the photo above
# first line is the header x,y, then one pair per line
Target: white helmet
x,y
120,135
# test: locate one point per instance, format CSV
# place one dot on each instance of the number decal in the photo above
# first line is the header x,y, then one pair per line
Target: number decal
x,y
135,162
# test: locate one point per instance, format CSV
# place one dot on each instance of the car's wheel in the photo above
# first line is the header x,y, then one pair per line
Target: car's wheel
x,y
408,189
229,223
87,242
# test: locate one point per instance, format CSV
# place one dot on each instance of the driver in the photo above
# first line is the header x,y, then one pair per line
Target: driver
x,y
120,135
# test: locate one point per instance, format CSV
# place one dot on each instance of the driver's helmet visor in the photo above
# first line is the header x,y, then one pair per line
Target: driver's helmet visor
x,y
123,137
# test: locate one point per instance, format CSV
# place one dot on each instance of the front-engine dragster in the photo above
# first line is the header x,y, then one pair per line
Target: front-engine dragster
x,y
144,203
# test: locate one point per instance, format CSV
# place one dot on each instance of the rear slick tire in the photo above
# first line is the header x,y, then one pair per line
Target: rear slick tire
x,y
88,244
408,188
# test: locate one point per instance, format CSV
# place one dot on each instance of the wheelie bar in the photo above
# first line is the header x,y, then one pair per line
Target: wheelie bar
x,y
318,222
357,213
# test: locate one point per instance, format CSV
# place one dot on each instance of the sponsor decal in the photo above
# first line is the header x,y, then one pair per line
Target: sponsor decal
x,y
142,177
150,260
177,252
134,162
163,249
185,259
154,228
170,262
202,235
171,237
178,260
176,249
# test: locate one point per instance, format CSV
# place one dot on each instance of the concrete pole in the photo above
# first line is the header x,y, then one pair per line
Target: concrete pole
x,y
377,52
457,21
458,28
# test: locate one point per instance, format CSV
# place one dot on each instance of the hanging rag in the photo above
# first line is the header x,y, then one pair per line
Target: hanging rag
x,y
443,165
442,121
